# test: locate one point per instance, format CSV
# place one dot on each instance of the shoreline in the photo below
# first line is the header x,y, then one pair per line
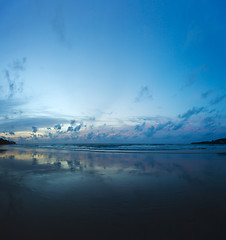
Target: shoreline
x,y
218,150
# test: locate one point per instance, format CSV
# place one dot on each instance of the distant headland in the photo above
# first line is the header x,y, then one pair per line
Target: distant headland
x,y
218,141
5,142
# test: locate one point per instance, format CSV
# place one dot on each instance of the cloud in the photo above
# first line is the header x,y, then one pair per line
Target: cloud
x,y
12,82
57,127
19,64
217,99
72,122
177,126
90,135
194,35
77,128
160,126
34,129
206,94
59,26
153,130
192,78
11,89
140,127
150,132
209,122
143,94
34,137
191,112
168,124
70,129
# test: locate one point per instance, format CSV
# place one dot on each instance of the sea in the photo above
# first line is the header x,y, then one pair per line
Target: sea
x,y
186,148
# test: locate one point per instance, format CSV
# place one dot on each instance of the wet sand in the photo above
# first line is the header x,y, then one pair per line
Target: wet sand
x,y
57,194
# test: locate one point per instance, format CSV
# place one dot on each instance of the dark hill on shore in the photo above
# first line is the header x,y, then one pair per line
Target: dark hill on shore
x,y
218,141
5,142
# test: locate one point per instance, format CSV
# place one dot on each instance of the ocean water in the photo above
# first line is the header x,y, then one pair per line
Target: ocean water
x,y
131,147
112,192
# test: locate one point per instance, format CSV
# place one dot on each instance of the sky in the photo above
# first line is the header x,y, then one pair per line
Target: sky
x,y
97,71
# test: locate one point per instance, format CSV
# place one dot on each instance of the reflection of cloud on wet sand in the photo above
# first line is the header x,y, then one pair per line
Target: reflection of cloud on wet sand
x,y
189,167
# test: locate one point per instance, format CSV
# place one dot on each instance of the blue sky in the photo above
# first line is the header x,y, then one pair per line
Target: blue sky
x,y
112,71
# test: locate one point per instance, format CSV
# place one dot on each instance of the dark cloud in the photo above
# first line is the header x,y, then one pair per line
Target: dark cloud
x,y
11,89
192,78
191,112
217,99
140,127
72,122
209,123
177,126
172,125
70,129
57,127
14,86
8,132
153,130
194,36
11,84
212,110
150,132
59,26
19,64
168,125
206,94
90,135
77,128
143,94
34,129
12,78
160,126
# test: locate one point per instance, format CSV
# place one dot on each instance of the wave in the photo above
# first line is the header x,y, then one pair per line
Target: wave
x,y
127,147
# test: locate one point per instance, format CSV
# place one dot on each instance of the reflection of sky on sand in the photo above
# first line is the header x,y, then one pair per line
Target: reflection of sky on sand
x,y
65,191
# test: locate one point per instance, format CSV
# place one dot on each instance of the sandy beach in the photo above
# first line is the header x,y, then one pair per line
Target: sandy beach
x,y
55,194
